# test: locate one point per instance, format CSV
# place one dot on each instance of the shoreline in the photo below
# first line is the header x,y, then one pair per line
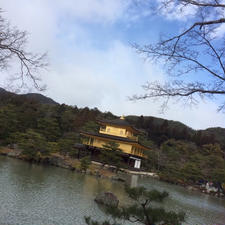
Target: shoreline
x,y
97,170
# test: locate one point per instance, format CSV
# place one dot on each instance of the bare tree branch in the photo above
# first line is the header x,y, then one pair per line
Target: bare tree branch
x,y
197,51
200,24
210,3
203,4
13,52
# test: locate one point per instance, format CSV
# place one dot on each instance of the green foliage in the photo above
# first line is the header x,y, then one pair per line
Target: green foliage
x,y
33,144
85,162
53,147
8,121
92,222
142,210
91,126
152,162
146,141
214,149
53,121
139,193
191,172
111,155
66,144
112,146
49,128
218,135
160,130
184,162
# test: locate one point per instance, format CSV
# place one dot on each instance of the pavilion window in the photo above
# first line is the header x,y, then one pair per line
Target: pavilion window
x,y
102,128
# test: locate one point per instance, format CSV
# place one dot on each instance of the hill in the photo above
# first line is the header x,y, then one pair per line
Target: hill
x,y
157,129
39,98
218,133
6,97
161,130
179,153
2,90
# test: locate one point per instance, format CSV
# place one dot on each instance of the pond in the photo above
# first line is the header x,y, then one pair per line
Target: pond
x,y
33,194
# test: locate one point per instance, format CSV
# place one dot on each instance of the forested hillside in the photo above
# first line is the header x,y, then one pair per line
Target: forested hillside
x,y
179,154
160,130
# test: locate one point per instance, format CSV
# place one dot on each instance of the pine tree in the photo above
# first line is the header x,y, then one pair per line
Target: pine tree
x,y
33,144
85,162
111,154
142,210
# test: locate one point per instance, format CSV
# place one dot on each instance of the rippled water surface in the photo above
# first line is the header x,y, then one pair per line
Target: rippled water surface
x,y
42,195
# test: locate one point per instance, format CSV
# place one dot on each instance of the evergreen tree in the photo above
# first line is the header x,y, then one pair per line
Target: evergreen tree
x,y
140,122
111,155
91,126
33,144
142,210
49,127
85,162
164,127
66,145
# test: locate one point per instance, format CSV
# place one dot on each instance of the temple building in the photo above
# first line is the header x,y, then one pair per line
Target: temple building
x,y
121,132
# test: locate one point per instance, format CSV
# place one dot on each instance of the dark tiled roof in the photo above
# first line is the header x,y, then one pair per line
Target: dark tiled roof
x,y
116,138
119,122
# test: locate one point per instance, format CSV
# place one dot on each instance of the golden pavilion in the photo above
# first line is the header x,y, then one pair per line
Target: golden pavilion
x,y
121,132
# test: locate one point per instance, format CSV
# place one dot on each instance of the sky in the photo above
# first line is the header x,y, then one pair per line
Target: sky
x,y
91,59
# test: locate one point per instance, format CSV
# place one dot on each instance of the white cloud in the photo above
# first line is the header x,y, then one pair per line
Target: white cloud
x,y
93,10
96,77
36,18
85,10
107,83
219,32
201,116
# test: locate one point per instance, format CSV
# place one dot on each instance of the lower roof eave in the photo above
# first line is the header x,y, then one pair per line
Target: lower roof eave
x,y
115,138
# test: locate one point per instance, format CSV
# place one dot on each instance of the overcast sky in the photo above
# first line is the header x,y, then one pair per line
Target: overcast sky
x,y
91,60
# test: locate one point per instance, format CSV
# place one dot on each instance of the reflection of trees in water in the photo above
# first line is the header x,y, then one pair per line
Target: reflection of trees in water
x,y
133,181
92,186
25,182
21,174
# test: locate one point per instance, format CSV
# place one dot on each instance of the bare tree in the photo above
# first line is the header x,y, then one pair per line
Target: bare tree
x,y
13,52
194,58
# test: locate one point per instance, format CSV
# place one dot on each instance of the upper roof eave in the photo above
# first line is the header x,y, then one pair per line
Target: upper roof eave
x,y
121,123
